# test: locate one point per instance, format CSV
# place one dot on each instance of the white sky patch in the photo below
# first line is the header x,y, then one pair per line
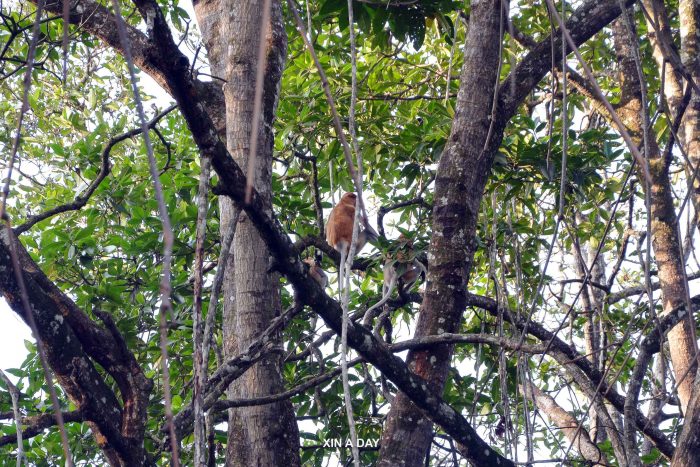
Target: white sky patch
x,y
13,333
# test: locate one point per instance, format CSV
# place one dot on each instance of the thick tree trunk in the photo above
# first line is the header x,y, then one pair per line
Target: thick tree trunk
x,y
251,296
459,185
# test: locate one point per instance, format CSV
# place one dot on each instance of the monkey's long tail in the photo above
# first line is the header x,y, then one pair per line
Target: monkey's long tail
x,y
341,271
367,319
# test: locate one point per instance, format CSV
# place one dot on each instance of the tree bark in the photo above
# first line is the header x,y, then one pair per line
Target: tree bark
x,y
459,184
688,447
74,346
158,56
460,181
250,294
664,226
577,436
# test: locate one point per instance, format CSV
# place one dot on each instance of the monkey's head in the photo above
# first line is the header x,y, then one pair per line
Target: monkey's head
x,y
349,198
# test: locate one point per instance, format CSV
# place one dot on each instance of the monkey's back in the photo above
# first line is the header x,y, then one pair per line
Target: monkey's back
x,y
339,226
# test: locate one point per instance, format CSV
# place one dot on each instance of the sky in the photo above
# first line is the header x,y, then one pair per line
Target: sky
x,y
13,333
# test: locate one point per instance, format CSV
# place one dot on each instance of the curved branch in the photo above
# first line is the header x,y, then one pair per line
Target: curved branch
x,y
82,199
420,343
384,210
73,342
171,67
565,422
320,243
640,289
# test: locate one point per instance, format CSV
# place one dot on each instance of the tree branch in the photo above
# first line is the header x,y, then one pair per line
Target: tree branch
x,y
72,341
585,375
171,68
36,424
82,199
565,422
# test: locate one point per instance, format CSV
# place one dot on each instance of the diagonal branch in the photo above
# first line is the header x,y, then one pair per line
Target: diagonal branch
x,y
579,367
73,342
171,68
565,422
216,385
36,425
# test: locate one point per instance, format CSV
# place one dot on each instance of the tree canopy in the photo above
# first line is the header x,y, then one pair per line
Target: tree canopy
x,y
556,320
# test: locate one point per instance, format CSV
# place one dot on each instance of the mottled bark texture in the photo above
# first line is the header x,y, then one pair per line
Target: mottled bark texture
x,y
664,226
74,345
689,19
460,181
174,67
201,103
459,184
688,447
577,435
231,30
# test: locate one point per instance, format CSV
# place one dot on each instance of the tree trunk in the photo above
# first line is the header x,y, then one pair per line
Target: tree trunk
x,y
664,226
459,185
688,447
251,295
689,12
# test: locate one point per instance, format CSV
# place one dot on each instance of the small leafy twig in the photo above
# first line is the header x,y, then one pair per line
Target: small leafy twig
x,y
384,210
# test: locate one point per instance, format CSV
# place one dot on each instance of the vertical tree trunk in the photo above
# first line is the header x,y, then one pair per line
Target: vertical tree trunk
x,y
263,435
459,184
664,227
593,300
689,12
688,447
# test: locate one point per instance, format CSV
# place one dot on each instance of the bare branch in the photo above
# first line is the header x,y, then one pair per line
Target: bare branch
x,y
640,289
585,374
200,441
14,396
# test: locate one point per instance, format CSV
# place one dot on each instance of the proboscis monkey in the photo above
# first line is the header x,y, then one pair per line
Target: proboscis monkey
x,y
339,230
339,226
316,273
403,270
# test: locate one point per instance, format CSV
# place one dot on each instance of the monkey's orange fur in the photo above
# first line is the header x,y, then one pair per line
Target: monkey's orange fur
x,y
340,222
